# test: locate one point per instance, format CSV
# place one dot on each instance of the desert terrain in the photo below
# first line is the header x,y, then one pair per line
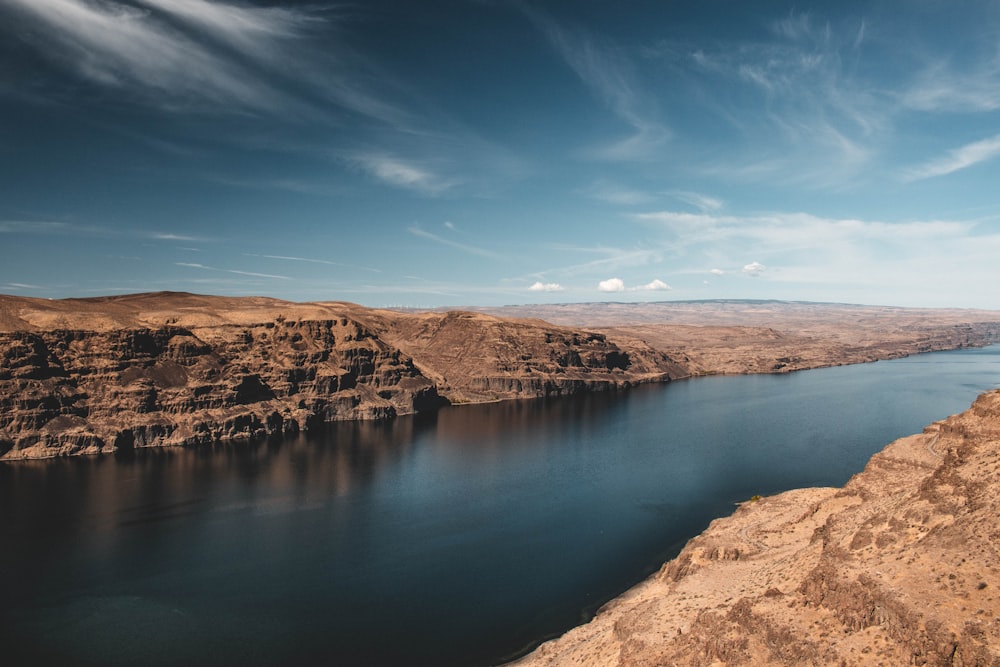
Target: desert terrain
x,y
85,376
772,336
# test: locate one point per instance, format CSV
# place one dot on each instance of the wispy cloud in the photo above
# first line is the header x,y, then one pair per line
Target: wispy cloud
x,y
607,71
614,193
169,236
944,85
402,173
288,258
799,110
788,231
33,227
699,201
254,274
613,259
309,260
226,57
956,159
246,27
474,250
119,45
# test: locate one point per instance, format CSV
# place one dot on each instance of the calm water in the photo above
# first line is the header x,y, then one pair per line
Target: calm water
x,y
456,539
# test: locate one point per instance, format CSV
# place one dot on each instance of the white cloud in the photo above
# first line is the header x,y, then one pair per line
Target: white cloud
x,y
754,269
401,173
611,285
546,287
717,272
618,285
957,159
117,45
656,285
703,203
184,55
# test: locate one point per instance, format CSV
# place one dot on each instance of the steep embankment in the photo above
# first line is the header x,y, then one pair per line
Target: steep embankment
x,y
901,566
91,375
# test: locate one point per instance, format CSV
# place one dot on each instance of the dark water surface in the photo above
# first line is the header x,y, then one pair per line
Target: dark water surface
x,y
454,539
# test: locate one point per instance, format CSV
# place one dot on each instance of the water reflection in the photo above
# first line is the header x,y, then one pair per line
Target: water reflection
x,y
456,538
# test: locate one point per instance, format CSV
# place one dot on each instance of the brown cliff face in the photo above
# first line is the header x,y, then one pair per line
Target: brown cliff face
x,y
474,357
87,376
899,567
68,392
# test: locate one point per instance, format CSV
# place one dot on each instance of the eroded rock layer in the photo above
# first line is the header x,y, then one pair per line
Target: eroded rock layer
x,y
899,567
94,375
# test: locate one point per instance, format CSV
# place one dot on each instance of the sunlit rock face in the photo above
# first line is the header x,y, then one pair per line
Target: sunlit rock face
x,y
88,376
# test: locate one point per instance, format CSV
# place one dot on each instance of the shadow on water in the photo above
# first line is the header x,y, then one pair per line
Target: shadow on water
x,y
460,537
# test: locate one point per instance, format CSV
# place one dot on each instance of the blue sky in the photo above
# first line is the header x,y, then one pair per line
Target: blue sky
x,y
489,152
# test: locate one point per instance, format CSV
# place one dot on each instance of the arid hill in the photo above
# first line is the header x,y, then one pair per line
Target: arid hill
x,y
773,336
81,376
899,567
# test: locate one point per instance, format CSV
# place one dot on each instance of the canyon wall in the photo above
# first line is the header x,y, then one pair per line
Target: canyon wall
x,y
88,376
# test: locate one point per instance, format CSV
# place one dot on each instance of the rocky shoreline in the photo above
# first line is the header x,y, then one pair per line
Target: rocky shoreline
x,y
900,566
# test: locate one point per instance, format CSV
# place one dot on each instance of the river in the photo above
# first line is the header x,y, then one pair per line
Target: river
x,y
458,538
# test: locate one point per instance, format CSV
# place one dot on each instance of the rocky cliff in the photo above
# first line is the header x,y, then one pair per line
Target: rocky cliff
x,y
901,566
92,375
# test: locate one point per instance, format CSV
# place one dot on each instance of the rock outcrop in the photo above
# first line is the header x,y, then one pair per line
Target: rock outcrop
x,y
84,376
899,567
